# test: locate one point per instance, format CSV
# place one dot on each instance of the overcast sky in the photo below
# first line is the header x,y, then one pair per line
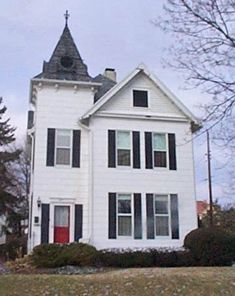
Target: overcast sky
x,y
108,33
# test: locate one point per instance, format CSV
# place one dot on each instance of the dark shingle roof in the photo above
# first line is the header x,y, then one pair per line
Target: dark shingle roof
x,y
73,67
107,84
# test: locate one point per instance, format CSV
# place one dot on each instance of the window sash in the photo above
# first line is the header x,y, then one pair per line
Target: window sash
x,y
162,217
158,201
63,147
123,149
124,204
63,138
123,139
63,156
160,150
161,225
124,219
123,157
159,142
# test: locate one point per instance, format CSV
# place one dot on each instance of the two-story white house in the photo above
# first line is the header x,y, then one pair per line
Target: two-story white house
x,y
112,163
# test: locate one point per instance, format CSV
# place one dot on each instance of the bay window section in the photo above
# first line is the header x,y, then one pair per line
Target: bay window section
x,y
159,150
124,215
63,147
123,148
161,208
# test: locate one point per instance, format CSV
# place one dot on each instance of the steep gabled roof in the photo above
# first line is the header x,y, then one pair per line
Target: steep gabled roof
x,y
116,88
65,62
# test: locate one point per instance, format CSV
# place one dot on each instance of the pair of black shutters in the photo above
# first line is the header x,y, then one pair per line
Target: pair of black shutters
x,y
51,148
136,150
45,218
112,149
138,217
113,216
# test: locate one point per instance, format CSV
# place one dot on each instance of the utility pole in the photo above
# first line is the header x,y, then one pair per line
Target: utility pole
x,y
209,178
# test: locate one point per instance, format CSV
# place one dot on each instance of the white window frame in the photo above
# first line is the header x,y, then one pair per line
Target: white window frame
x,y
162,215
125,214
154,150
131,152
70,148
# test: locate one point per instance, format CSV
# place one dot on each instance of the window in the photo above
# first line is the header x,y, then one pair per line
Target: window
x,y
159,150
140,98
123,148
161,209
63,147
124,215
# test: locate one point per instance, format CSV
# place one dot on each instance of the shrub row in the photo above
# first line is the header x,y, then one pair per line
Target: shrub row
x,y
204,247
56,255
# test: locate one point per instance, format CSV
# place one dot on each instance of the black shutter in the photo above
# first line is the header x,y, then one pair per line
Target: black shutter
x,y
148,151
172,151
137,216
78,222
30,119
150,216
112,215
174,217
111,149
45,223
50,146
136,150
76,148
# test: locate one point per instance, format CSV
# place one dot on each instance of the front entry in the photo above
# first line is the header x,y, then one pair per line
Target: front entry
x,y
61,224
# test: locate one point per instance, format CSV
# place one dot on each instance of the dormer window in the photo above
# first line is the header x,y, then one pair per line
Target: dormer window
x,y
140,98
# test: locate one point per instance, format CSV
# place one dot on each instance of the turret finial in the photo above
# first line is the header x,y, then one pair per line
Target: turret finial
x,y
66,15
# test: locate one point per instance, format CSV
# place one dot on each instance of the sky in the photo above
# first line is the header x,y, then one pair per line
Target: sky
x,y
109,34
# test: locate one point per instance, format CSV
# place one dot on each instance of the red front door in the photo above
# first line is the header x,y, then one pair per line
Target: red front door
x,y
61,224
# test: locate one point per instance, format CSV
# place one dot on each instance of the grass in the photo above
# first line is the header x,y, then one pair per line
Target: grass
x,y
146,281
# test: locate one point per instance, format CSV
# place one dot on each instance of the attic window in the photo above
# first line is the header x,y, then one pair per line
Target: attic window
x,y
66,62
140,98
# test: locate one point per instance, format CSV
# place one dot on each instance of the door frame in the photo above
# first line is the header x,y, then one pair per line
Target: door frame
x,y
66,202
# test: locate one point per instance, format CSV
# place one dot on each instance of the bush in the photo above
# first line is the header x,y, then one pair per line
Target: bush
x,y
148,258
211,246
13,249
81,254
57,255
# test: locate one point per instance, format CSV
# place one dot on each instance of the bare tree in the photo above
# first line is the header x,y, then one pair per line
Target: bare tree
x,y
203,47
20,176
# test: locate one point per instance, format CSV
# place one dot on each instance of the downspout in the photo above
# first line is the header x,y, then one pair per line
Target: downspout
x,y
30,226
90,183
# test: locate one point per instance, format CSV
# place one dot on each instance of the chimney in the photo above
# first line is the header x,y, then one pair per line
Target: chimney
x,y
111,74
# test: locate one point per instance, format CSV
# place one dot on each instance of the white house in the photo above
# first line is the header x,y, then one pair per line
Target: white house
x,y
112,163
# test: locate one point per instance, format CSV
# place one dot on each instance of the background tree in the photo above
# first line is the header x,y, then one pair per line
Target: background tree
x,y
7,158
224,217
203,48
20,174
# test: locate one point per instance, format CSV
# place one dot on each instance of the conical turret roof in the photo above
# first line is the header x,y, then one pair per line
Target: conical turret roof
x,y
65,62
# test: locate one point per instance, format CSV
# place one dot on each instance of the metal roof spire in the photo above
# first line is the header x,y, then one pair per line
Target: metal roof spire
x,y
66,15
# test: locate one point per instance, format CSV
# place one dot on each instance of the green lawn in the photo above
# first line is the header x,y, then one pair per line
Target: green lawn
x,y
137,282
